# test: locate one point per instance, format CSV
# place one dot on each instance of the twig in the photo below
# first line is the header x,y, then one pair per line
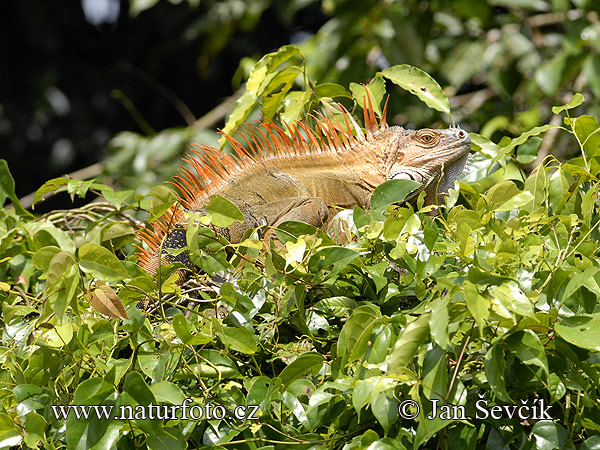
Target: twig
x,y
468,103
162,90
135,114
548,142
457,368
209,120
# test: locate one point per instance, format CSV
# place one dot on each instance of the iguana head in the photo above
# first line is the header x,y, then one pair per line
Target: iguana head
x,y
434,158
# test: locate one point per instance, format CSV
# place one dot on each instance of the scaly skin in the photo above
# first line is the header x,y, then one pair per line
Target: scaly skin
x,y
307,178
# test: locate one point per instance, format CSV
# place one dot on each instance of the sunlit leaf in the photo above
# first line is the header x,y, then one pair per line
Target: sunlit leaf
x,y
392,191
412,337
581,331
420,84
222,212
101,263
576,100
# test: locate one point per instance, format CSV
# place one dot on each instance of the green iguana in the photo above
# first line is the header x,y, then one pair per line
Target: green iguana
x,y
305,175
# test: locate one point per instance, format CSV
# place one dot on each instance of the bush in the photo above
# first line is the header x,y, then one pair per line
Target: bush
x,y
485,314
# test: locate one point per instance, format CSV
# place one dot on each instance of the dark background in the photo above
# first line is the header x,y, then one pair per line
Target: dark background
x,y
69,85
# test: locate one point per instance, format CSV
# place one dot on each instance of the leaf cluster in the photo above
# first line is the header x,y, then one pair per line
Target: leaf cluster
x,y
495,298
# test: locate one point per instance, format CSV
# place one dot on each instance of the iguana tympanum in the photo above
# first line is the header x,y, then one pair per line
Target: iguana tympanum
x,y
305,175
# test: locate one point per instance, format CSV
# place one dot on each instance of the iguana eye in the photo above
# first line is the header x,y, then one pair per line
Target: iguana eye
x,y
427,137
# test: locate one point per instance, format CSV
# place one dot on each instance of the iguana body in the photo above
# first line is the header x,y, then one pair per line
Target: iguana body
x,y
307,177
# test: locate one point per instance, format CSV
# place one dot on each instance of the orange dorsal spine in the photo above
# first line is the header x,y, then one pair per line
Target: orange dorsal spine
x,y
212,168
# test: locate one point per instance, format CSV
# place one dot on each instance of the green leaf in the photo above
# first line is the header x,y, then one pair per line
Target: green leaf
x,y
439,321
375,90
167,439
336,306
338,256
298,367
165,391
35,427
293,106
163,198
527,347
7,190
558,189
85,433
49,186
42,258
478,305
512,298
116,197
392,191
579,279
592,443
494,363
521,139
385,410
362,393
550,435
331,90
462,436
243,107
576,100
59,266
136,392
381,345
297,229
239,339
428,428
10,435
277,89
215,365
588,132
135,386
434,374
222,212
581,331
356,333
556,388
259,78
528,151
536,183
407,345
65,289
45,233
101,263
183,330
79,187
420,84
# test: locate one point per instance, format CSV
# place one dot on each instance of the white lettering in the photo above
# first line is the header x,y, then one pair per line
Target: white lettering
x,y
481,405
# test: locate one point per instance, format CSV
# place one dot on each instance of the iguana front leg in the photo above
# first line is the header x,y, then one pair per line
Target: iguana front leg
x,y
311,210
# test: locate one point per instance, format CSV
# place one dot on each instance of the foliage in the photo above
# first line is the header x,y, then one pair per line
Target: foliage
x,y
494,299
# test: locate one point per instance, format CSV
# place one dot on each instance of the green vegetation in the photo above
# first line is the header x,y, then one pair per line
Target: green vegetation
x,y
494,299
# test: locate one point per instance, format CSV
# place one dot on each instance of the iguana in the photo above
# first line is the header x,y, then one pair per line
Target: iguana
x,y
304,175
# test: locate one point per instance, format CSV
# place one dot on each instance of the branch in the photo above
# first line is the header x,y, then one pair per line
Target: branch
x,y
209,120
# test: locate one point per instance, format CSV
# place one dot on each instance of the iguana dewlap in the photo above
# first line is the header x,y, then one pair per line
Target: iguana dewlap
x,y
306,175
